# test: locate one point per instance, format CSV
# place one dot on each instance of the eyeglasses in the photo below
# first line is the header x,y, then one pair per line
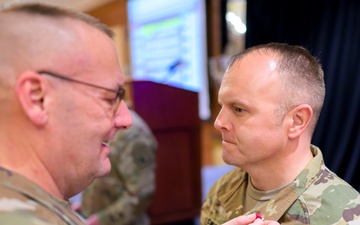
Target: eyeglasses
x,y
120,93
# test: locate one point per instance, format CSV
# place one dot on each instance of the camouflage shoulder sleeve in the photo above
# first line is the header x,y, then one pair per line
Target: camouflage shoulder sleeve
x,y
329,199
317,196
21,217
220,203
337,201
16,208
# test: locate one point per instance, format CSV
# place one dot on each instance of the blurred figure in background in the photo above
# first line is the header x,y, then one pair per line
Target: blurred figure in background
x,y
123,197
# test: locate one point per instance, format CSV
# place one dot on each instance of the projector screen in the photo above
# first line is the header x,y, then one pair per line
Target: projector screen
x,y
168,45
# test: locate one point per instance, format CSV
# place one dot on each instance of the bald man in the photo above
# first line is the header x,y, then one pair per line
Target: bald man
x,y
61,101
271,97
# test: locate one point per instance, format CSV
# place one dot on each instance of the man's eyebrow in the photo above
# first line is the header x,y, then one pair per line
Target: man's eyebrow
x,y
235,101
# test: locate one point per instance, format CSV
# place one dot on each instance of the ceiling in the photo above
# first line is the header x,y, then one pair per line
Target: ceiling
x,y
83,5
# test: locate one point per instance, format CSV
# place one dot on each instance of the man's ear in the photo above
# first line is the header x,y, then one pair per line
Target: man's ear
x,y
300,119
30,91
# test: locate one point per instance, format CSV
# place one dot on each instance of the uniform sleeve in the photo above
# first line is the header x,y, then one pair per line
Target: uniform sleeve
x,y
210,206
31,218
220,204
27,218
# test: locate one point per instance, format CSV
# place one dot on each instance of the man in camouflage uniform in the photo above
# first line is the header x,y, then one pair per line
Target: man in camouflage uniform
x,y
271,97
123,197
61,101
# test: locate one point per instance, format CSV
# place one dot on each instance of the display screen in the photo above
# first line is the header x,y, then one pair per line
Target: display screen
x,y
168,45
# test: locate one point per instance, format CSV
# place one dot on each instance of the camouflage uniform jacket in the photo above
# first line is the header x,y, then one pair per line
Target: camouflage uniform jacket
x,y
24,202
123,196
317,196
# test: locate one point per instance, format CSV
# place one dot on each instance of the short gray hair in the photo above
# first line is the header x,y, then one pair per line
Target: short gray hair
x,y
301,73
49,10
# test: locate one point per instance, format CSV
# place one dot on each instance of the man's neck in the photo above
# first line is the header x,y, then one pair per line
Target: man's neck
x,y
24,161
279,172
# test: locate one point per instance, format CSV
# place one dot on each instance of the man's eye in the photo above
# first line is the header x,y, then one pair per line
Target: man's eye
x,y
111,101
237,109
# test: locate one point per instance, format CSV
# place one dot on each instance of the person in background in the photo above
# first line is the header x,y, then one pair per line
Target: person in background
x,y
124,196
271,96
61,102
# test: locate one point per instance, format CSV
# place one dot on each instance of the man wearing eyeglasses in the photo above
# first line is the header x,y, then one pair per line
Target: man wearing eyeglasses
x,y
61,102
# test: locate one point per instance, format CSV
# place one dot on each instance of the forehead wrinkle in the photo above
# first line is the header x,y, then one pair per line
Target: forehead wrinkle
x,y
253,76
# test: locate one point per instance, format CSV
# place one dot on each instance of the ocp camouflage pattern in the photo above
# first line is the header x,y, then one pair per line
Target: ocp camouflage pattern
x,y
317,196
24,202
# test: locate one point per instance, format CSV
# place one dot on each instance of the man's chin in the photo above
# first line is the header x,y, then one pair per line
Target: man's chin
x,y
105,169
228,159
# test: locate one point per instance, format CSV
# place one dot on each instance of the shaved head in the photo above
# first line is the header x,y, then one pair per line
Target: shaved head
x,y
29,34
37,37
59,76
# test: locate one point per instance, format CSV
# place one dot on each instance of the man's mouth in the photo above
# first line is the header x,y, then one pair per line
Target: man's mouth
x,y
105,143
228,141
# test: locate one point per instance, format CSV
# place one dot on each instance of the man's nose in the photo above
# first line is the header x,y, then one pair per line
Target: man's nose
x,y
123,118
